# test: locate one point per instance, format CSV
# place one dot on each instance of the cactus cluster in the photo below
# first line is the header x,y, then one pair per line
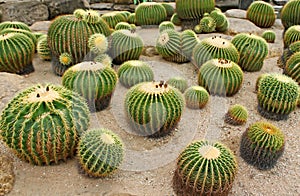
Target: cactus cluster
x,y
262,144
100,152
290,14
113,18
292,67
150,13
196,97
291,35
236,115
261,13
269,36
94,81
178,82
105,59
220,77
205,168
222,23
43,49
154,108
277,95
253,50
98,43
42,123
207,24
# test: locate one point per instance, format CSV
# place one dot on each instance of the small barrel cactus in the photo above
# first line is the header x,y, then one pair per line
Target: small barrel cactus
x,y
292,67
261,13
290,14
214,47
188,42
133,72
98,43
291,35
220,19
221,77
162,107
14,24
208,24
123,25
262,144
269,36
169,9
100,152
166,25
253,50
196,97
150,13
43,49
113,18
131,18
125,45
42,124
178,82
175,19
16,54
94,81
277,95
236,115
205,168
105,59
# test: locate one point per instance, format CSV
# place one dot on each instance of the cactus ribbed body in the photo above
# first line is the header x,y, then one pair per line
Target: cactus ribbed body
x,y
178,82
100,152
287,53
113,18
236,115
125,14
131,18
207,24
94,81
220,19
277,95
292,67
154,108
25,32
123,25
42,124
261,13
105,59
166,25
43,49
269,36
205,168
221,77
196,97
125,45
253,50
169,9
14,24
175,19
188,42
290,14
214,47
150,13
262,145
16,54
133,72
291,35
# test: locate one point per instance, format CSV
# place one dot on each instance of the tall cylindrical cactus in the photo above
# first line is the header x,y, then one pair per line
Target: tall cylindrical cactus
x,y
150,13
42,124
261,14
290,14
153,108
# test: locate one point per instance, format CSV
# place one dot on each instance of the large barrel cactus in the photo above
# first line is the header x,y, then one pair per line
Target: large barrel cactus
x,y
16,54
205,168
94,81
154,108
253,50
292,67
261,13
221,77
100,152
196,97
277,95
150,13
290,14
42,124
214,47
262,145
291,35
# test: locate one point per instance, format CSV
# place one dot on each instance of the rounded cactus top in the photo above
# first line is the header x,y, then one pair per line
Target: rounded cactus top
x,y
14,24
91,16
98,43
155,88
217,42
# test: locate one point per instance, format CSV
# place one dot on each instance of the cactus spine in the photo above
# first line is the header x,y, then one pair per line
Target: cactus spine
x,y
150,13
196,97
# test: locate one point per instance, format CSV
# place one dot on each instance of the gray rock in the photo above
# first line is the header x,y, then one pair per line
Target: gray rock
x,y
41,26
238,25
123,2
121,7
101,6
236,13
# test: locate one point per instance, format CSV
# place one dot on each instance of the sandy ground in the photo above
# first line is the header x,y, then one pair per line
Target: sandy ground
x,y
149,163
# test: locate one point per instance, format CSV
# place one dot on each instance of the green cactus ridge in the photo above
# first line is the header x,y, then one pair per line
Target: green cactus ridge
x,y
166,25
16,54
123,25
291,35
113,18
153,108
42,124
100,152
131,18
25,32
220,77
219,18
94,81
15,25
43,49
290,14
261,13
198,29
80,13
277,95
105,59
125,14
205,168
150,13
262,144
169,9
91,17
196,97
178,82
214,47
269,36
292,67
287,53
133,72
236,115
98,43
38,35
188,42
253,50
175,19
207,24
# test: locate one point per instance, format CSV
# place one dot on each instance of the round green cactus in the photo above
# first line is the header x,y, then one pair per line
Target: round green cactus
x,y
91,16
98,43
207,24
205,168
105,59
236,115
220,19
292,67
131,18
94,81
178,82
261,13
290,14
221,77
175,19
169,9
25,32
253,50
262,144
277,96
113,18
166,25
123,25
42,124
196,97
162,108
291,35
100,152
287,53
125,45
198,29
16,54
43,49
150,13
125,14
133,72
188,42
14,24
214,47
269,36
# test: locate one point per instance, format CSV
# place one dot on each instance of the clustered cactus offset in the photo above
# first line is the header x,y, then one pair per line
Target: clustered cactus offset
x,y
43,49
292,67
